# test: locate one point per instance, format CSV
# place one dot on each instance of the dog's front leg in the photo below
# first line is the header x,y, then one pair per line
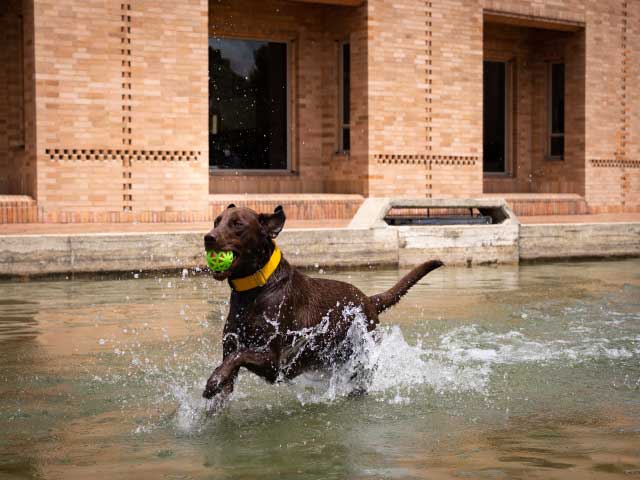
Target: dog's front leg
x,y
264,363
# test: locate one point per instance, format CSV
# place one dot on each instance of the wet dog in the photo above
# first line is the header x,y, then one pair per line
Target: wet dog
x,y
281,322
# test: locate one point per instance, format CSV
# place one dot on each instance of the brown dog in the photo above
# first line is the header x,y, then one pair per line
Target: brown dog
x,y
282,322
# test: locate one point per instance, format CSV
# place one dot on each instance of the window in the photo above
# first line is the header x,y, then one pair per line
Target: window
x,y
345,88
247,104
495,117
15,86
556,111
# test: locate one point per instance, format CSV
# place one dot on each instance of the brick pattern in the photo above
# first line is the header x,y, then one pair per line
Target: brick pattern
x,y
78,154
18,209
409,52
624,72
613,175
23,209
122,110
310,209
125,84
615,184
127,100
428,73
548,206
632,87
314,33
563,10
456,179
125,54
425,158
614,163
456,84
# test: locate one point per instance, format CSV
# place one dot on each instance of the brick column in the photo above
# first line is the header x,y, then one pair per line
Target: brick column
x,y
121,98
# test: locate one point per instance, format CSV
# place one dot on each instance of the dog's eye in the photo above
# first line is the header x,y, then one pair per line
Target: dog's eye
x,y
236,223
216,222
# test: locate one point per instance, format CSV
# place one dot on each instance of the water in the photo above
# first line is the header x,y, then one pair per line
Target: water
x,y
490,372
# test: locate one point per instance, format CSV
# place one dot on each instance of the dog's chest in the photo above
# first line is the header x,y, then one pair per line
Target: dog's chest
x,y
255,328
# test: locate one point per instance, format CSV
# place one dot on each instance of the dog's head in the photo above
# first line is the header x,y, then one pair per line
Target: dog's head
x,y
248,235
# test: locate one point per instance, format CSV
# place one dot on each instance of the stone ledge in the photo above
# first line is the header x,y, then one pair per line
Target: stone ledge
x,y
41,255
56,254
579,240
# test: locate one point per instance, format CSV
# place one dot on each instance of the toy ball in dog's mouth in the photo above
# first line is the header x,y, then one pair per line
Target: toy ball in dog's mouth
x,y
219,261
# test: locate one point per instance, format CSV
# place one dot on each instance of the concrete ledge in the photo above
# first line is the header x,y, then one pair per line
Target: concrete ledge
x,y
29,255
508,242
340,247
459,244
54,254
453,244
554,241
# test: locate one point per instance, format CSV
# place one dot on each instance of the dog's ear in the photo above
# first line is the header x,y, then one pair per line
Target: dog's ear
x,y
273,223
231,205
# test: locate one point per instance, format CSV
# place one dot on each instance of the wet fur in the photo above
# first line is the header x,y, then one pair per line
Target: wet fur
x,y
267,327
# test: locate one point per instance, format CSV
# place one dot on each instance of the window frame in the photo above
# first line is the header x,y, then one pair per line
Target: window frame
x,y
289,52
341,97
550,134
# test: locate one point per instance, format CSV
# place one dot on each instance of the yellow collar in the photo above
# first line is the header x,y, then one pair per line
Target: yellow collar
x,y
259,278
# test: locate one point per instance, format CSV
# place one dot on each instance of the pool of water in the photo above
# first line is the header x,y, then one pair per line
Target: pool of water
x,y
489,372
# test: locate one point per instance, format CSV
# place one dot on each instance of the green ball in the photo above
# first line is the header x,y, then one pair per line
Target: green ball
x,y
219,261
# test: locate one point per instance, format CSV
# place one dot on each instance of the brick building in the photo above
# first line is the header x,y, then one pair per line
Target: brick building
x,y
158,110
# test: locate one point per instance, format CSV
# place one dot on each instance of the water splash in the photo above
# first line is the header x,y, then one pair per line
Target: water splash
x,y
462,359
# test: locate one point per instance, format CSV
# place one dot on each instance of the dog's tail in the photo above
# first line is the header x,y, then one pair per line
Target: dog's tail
x,y
384,300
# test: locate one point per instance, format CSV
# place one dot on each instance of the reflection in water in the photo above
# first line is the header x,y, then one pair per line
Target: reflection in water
x,y
18,319
489,372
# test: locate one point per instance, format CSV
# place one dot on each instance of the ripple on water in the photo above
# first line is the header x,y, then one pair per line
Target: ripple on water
x,y
461,359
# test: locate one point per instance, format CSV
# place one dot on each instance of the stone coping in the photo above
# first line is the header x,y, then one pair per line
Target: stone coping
x,y
35,255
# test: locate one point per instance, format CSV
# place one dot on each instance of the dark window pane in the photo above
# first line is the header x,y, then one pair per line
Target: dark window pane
x,y
346,139
557,147
346,83
247,104
557,98
494,117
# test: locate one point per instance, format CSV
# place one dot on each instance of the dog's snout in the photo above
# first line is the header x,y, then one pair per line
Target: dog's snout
x,y
209,241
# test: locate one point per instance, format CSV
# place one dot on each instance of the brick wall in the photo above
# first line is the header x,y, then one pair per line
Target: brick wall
x,y
430,55
425,65
398,67
121,106
313,33
121,103
613,102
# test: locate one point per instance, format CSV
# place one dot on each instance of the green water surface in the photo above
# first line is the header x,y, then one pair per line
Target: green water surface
x,y
489,372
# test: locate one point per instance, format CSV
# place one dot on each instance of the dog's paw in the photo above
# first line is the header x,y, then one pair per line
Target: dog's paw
x,y
219,379
214,386
217,404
